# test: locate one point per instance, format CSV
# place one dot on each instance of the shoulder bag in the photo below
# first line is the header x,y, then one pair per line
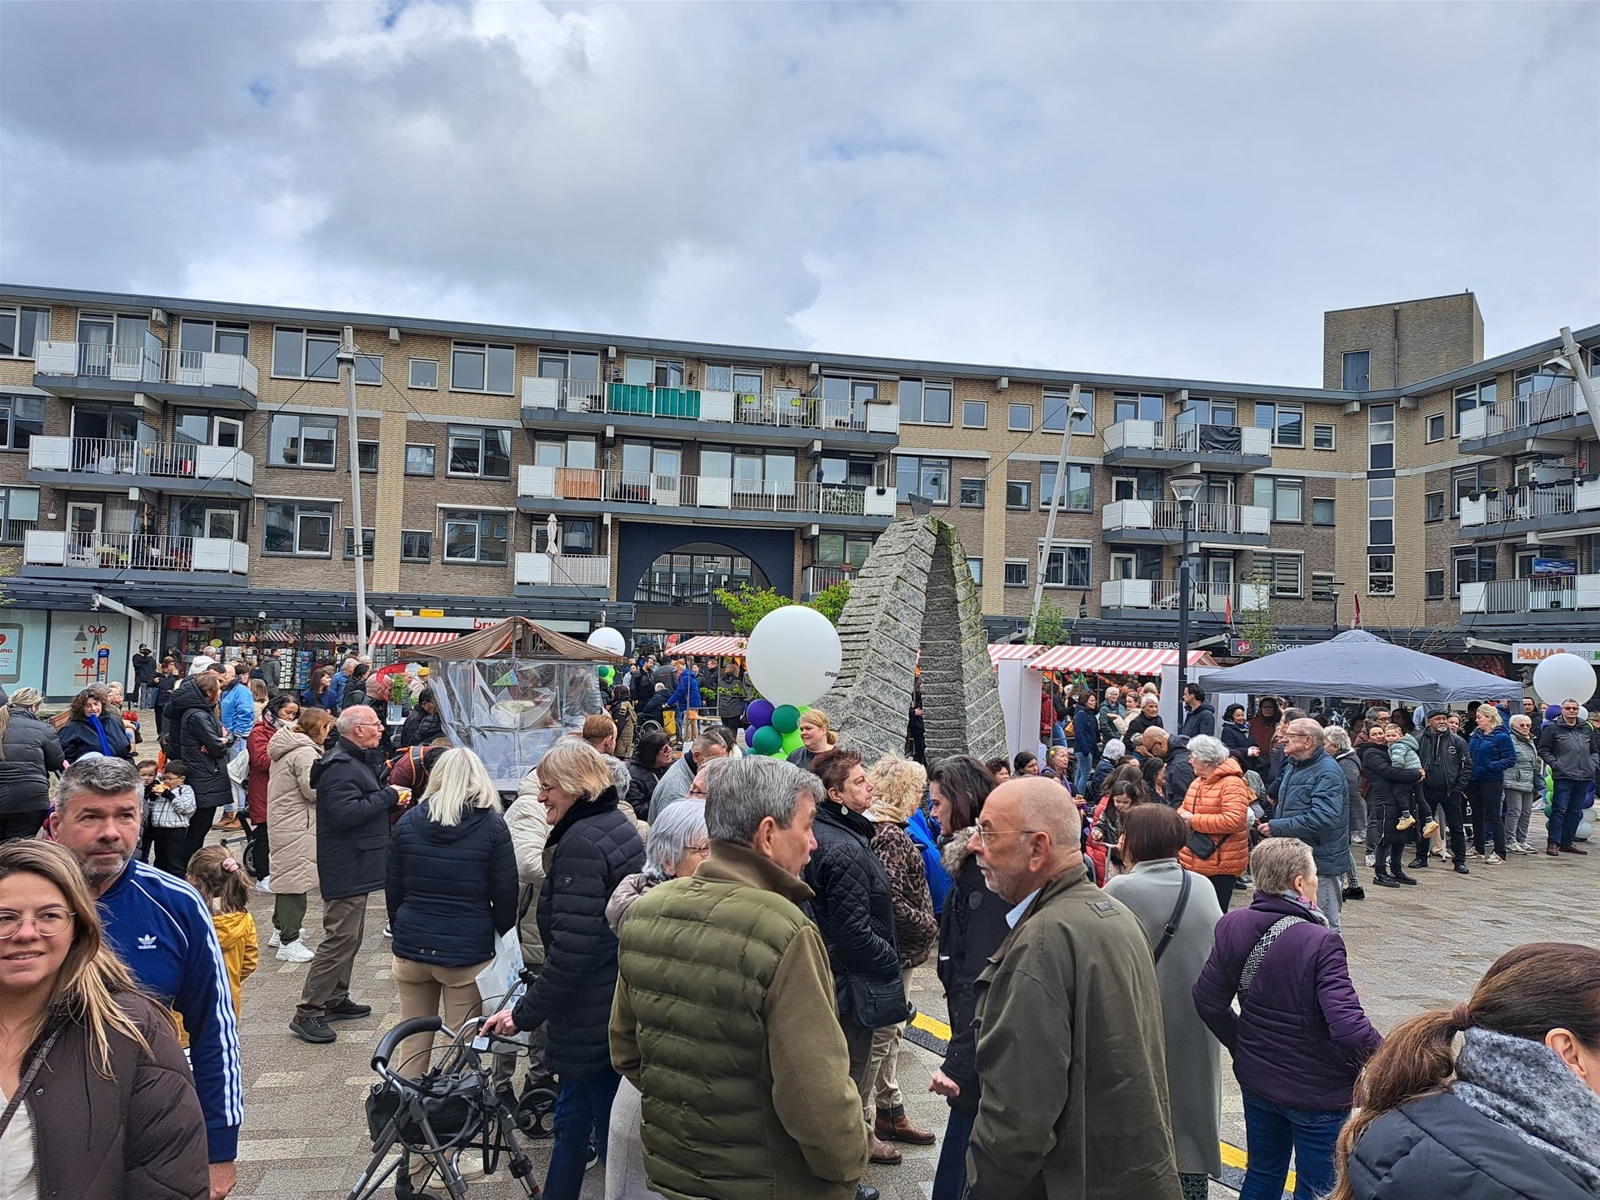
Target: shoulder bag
x,y
1171,931
1259,951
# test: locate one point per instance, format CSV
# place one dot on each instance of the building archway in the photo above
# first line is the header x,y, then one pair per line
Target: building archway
x,y
670,572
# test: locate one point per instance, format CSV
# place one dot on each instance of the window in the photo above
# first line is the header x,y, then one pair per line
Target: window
x,y
837,549
1322,510
1137,406
478,367
419,460
22,329
369,368
1019,417
1436,427
298,528
367,537
1017,492
1283,572
416,545
1433,585
1016,572
972,493
924,403
480,453
1475,395
974,414
1433,506
975,566
211,337
1380,574
367,456
1380,437
1380,512
297,441
652,372
1069,567
1530,380
475,537
21,419
305,353
1470,481
1287,422
1473,564
1079,496
424,373
1356,363
19,512
1283,498
1322,587
577,536
929,477
1322,437
1053,416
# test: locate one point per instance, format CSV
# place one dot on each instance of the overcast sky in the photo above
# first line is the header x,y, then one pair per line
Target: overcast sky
x,y
1161,189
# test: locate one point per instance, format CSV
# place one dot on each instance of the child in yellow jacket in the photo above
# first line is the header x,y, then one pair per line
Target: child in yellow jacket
x,y
215,874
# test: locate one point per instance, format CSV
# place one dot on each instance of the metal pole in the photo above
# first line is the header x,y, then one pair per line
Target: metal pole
x,y
347,368
1183,605
1574,355
1050,521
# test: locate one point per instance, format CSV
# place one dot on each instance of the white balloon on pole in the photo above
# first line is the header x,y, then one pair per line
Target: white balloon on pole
x,y
793,655
606,638
1563,677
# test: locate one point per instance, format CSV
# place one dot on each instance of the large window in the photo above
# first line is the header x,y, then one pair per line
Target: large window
x,y
1141,406
305,353
1380,512
294,527
19,512
424,373
1069,566
1356,364
1017,492
1470,481
213,337
1283,498
1473,395
838,549
1530,380
1283,573
21,419
1079,496
1472,564
22,329
480,367
1053,417
482,453
1287,422
928,476
1380,574
923,402
302,441
476,537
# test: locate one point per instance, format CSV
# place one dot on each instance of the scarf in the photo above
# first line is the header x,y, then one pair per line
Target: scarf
x,y
1309,907
105,746
1526,1087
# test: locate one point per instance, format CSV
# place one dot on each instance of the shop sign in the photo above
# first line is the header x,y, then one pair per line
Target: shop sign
x,y
1533,653
429,613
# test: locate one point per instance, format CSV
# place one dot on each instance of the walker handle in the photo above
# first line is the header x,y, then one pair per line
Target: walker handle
x,y
387,1044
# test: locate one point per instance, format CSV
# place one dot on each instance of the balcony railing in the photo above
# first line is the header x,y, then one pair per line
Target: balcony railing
x,y
781,410
1523,412
1555,593
1164,595
1207,517
1529,502
1189,437
145,460
703,491
146,364
563,570
821,578
134,551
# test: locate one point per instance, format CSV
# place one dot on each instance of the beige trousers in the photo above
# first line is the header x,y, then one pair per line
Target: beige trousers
x,y
422,986
880,1087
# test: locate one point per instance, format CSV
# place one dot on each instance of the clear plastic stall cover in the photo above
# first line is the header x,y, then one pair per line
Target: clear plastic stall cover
x,y
510,711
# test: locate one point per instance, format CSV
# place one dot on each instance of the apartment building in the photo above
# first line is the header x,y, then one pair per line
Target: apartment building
x,y
178,472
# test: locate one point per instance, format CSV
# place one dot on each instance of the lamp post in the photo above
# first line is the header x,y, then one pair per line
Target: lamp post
x,y
1333,591
1186,490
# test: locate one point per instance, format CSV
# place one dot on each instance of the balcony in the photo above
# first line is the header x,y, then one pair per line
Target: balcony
x,y
181,468
1159,522
1550,508
702,497
135,557
775,418
1161,598
576,575
1548,600
1517,421
1171,443
819,578
92,370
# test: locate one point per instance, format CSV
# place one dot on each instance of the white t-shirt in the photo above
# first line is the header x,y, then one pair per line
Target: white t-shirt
x,y
18,1180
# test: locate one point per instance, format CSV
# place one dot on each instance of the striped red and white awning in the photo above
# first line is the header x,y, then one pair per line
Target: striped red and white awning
x,y
411,637
708,646
281,637
1115,660
1003,651
337,639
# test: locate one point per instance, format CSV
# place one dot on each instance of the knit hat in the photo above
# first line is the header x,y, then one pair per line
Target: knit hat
x,y
1115,749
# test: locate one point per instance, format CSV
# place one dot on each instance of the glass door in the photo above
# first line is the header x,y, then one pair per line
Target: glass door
x,y
127,359
84,524
666,470
94,345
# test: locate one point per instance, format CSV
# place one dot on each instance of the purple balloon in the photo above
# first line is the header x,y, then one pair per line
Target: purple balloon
x,y
759,713
750,737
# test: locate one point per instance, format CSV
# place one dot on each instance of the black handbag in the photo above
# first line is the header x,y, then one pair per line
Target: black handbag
x,y
1203,845
876,1005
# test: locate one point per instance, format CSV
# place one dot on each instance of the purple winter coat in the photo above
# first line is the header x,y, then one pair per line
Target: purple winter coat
x,y
1302,1037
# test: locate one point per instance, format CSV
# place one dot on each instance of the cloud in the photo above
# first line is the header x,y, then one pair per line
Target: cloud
x,y
1163,189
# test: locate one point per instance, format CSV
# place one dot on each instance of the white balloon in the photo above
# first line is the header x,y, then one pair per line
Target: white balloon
x,y
606,638
1563,677
1584,828
793,655
1583,713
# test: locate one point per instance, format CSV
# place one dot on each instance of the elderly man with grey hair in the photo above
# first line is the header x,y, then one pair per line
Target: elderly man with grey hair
x,y
1314,806
722,1010
675,784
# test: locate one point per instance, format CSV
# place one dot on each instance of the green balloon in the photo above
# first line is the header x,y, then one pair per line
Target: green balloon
x,y
786,719
792,742
768,741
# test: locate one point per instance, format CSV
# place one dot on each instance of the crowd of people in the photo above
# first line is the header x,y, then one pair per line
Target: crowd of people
x,y
684,917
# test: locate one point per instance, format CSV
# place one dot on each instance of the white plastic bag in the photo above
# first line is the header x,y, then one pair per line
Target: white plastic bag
x,y
500,984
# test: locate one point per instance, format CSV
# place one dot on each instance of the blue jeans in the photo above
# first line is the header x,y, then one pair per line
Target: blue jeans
x,y
1566,810
950,1179
582,1116
1272,1130
1080,777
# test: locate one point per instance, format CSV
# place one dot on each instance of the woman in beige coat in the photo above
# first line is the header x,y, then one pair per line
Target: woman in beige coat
x,y
292,827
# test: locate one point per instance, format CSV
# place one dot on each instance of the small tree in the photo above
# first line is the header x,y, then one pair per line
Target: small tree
x,y
830,601
1256,624
747,605
1051,628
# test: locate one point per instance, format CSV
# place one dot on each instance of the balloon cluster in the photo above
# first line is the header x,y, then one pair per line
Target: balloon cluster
x,y
774,731
612,641
608,675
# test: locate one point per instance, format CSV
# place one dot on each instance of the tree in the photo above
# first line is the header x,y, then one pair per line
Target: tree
x,y
830,601
1256,624
747,605
1051,628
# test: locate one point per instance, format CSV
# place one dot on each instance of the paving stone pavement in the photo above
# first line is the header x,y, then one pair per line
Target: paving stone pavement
x,y
305,1131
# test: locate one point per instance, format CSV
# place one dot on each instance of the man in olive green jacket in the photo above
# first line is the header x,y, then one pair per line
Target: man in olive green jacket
x,y
1071,1053
723,1015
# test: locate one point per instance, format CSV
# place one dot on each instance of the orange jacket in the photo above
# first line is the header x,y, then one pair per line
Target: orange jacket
x,y
1221,805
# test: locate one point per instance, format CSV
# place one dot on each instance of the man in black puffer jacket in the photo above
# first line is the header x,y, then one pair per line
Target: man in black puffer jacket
x,y
31,752
854,908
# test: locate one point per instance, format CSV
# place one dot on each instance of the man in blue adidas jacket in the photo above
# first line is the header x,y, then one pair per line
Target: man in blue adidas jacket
x,y
159,926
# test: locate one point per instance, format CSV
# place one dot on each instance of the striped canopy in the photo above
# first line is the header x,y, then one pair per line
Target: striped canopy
x,y
411,637
707,646
1115,660
1003,651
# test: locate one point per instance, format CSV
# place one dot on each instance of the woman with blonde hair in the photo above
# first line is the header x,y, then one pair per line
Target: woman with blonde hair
x,y
292,826
815,737
897,788
75,1022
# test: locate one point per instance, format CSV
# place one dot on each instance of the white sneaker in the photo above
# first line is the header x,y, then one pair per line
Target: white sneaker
x,y
264,884
1492,859
1372,859
276,939
1357,838
295,951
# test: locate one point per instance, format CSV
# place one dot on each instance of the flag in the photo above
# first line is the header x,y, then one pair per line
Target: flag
x,y
1228,607
1356,596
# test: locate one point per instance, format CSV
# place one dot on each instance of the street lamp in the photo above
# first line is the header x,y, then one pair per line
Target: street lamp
x,y
1334,592
1186,490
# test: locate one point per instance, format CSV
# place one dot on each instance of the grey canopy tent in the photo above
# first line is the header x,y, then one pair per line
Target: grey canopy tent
x,y
1356,665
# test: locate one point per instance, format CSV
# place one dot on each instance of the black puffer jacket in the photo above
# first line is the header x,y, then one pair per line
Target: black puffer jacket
x,y
420,728
196,738
1180,772
1237,739
1447,759
32,750
1441,1146
1387,784
452,889
641,786
79,737
592,848
971,928
352,822
853,905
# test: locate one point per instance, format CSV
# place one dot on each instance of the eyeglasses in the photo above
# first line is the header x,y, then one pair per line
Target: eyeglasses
x,y
983,835
48,923
698,848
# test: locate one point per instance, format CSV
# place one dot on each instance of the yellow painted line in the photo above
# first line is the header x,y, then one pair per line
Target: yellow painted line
x,y
1233,1156
931,1025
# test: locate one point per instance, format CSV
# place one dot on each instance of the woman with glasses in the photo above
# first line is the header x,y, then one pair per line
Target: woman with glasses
x,y
78,1040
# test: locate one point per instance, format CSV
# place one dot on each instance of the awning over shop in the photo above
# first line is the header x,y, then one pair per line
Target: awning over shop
x,y
411,637
707,646
515,637
1115,660
1004,651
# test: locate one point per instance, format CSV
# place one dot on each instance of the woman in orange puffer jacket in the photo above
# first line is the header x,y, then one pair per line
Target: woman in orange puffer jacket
x,y
1218,806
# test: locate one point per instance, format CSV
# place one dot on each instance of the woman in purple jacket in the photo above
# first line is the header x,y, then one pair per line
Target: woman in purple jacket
x,y
1300,1036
